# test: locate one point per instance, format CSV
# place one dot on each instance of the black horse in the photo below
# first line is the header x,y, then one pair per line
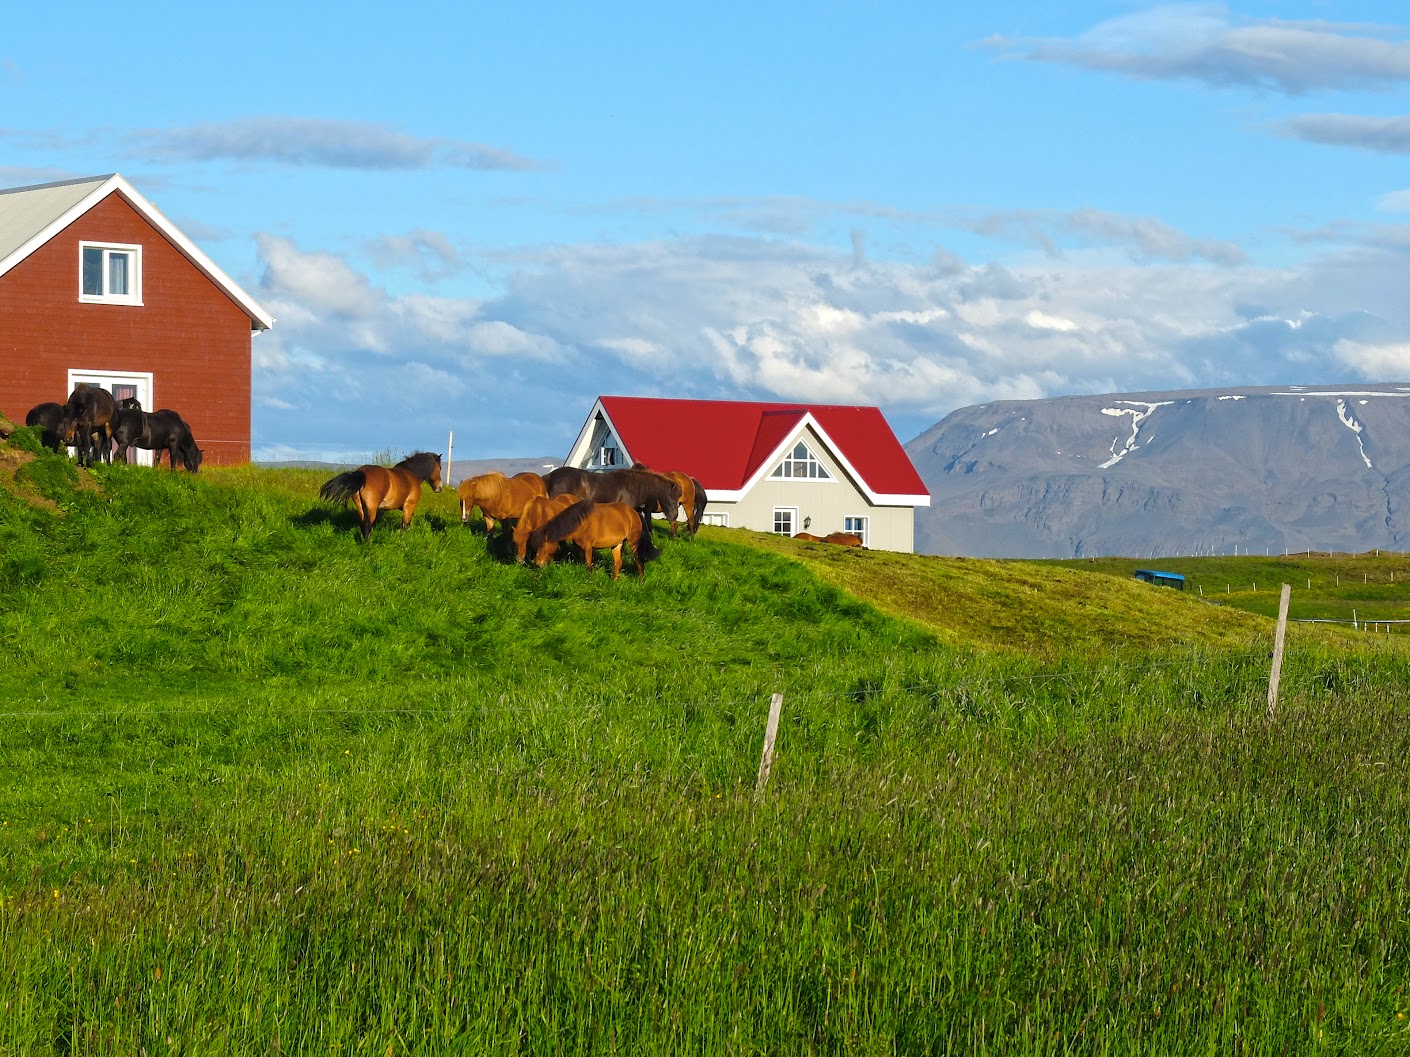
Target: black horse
x,y
641,489
49,417
87,423
159,431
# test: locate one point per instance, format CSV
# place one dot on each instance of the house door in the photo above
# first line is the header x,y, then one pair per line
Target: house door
x,y
121,384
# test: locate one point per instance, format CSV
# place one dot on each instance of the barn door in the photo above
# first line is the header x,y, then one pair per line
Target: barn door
x,y
121,384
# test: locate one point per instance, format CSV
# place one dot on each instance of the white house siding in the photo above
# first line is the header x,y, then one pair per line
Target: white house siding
x,y
826,503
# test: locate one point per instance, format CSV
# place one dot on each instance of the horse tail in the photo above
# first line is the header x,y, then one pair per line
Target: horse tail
x,y
343,487
645,547
701,500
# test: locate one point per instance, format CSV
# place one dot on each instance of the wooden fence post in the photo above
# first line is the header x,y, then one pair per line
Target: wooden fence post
x,y
766,761
1277,671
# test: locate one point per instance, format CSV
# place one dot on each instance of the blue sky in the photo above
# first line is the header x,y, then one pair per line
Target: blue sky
x,y
478,218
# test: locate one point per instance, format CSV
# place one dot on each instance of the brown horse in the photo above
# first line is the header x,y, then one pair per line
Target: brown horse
x,y
808,537
377,488
539,511
597,525
693,501
642,489
499,498
843,539
87,423
49,417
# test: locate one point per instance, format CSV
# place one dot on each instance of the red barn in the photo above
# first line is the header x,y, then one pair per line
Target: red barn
x,y
96,285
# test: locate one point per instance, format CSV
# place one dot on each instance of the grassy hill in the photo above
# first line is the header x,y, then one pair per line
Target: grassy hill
x,y
267,787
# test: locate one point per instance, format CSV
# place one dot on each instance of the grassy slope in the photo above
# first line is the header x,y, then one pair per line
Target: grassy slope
x,y
273,789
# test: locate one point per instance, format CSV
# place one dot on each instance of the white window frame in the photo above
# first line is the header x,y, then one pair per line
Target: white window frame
x,y
134,277
792,512
808,460
107,379
720,519
609,456
864,531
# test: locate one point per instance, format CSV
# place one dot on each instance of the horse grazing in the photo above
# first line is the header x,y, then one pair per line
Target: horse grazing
x,y
159,431
643,489
693,500
49,417
377,488
87,423
539,511
499,498
597,525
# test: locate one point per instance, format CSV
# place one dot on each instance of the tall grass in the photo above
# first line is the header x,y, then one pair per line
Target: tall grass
x,y
272,789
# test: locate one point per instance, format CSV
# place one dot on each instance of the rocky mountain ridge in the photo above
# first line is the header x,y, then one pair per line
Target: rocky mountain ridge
x,y
1263,469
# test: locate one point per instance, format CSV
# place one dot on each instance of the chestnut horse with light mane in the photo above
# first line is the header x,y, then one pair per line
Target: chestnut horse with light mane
x,y
499,498
377,488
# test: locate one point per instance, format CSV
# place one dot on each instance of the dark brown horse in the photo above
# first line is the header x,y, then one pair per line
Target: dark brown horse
x,y
49,417
158,431
597,525
377,488
638,488
88,423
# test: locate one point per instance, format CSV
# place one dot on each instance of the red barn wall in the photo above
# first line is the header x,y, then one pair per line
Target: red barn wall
x,y
187,332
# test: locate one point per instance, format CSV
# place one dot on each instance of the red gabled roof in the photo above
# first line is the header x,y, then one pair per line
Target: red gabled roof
x,y
725,443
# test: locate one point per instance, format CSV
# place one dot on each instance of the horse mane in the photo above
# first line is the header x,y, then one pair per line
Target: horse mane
x,y
423,464
561,525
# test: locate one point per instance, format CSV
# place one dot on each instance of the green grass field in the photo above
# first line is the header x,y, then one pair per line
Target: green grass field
x,y
264,788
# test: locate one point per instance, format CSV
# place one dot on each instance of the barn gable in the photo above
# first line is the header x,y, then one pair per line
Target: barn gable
x,y
98,286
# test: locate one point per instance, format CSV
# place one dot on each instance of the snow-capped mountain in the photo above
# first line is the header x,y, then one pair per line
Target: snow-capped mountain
x,y
1263,470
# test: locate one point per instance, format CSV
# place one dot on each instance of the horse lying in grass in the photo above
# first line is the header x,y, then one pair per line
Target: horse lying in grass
x,y
539,511
499,498
377,488
837,539
594,526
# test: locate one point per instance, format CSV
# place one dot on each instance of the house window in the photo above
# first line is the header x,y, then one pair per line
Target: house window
x,y
858,527
785,517
110,274
800,464
715,519
607,456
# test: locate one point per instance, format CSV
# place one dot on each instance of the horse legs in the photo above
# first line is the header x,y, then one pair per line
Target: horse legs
x,y
409,507
616,561
367,515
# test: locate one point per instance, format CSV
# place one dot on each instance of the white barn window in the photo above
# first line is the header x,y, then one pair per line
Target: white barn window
x,y
858,527
785,517
109,274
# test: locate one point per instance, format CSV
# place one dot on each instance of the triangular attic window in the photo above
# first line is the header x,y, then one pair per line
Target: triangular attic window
x,y
800,464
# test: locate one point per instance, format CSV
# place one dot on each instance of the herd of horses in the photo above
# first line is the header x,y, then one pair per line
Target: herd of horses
x,y
609,510
99,428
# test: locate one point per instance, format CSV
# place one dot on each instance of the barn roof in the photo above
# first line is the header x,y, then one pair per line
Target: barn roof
x,y
31,216
729,445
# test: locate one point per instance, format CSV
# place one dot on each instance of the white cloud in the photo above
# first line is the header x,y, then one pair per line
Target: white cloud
x,y
1205,43
324,142
756,318
1389,362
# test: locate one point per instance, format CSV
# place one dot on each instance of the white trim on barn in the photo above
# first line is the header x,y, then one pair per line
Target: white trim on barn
x,y
104,186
